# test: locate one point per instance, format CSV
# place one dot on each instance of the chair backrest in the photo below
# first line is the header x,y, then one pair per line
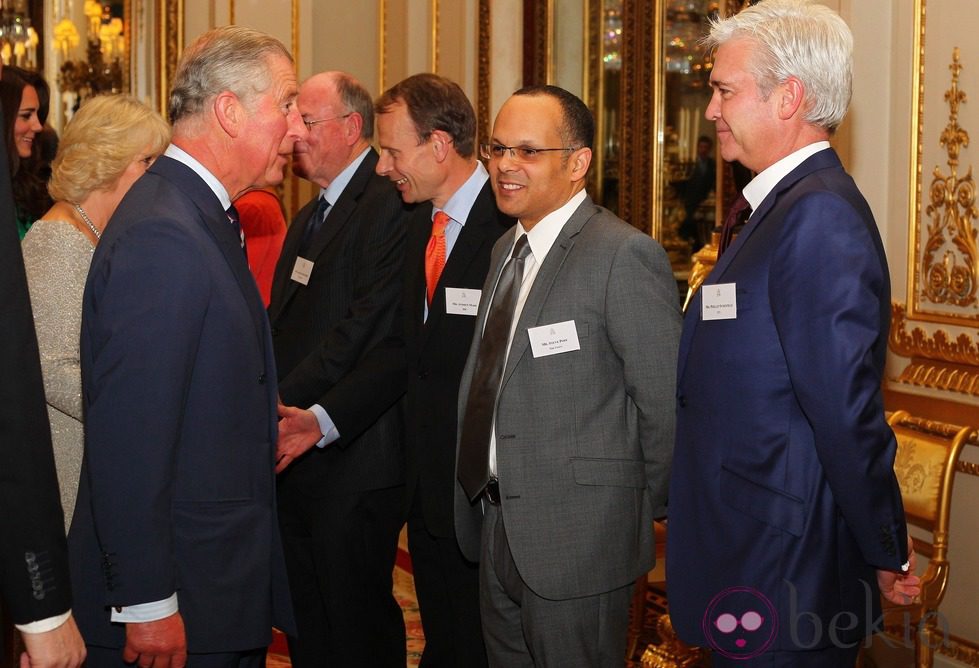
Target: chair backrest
x,y
927,453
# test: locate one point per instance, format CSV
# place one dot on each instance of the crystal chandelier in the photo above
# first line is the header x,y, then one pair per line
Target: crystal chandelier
x,y
101,71
18,40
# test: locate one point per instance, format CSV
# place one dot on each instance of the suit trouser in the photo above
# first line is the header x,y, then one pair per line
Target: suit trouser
x,y
523,629
447,586
340,551
108,657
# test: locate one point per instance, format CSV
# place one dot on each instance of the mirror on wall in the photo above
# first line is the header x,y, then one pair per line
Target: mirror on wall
x,y
639,66
687,138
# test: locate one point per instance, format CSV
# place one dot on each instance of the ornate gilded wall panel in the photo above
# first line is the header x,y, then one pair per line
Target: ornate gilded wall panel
x,y
943,254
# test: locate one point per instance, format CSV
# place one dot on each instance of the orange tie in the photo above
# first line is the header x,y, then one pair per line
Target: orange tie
x,y
435,253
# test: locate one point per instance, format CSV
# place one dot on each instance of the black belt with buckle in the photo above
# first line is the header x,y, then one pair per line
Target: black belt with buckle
x,y
492,491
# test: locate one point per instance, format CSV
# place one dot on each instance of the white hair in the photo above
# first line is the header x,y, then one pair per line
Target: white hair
x,y
796,38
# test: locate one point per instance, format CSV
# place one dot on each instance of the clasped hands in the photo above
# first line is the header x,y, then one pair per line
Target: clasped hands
x,y
299,431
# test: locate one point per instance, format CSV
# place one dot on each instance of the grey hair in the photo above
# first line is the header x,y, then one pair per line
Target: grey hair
x,y
796,38
230,58
355,98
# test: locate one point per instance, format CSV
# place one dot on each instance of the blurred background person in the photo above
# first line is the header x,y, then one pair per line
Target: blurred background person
x,y
109,144
22,124
696,229
264,226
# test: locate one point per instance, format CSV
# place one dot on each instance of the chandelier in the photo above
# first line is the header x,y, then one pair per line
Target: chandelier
x,y
18,40
101,71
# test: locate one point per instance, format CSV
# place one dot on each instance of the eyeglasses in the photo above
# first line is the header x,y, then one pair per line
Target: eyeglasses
x,y
517,153
309,124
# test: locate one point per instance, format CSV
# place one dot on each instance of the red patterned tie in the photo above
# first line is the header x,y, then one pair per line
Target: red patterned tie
x,y
738,212
435,253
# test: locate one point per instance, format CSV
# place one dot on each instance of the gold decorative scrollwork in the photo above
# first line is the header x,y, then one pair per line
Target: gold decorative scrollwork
x,y
950,253
937,361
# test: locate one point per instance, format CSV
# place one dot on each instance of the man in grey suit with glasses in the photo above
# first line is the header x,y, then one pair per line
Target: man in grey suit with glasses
x,y
566,404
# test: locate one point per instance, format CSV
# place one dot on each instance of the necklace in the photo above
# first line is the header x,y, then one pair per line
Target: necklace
x,y
88,221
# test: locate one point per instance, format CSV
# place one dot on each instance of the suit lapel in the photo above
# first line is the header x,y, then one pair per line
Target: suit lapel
x,y
283,286
464,250
215,221
530,316
825,159
339,216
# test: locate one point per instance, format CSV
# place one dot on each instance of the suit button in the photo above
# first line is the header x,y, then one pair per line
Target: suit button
x,y
681,401
261,379
422,375
275,331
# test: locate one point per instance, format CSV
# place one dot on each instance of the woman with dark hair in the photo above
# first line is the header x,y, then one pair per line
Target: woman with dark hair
x,y
22,123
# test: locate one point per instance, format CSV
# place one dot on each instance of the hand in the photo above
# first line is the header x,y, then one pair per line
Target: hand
x,y
299,430
62,647
897,587
159,644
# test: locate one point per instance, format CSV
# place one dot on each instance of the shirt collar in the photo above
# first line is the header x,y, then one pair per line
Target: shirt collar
x,y
183,157
462,200
543,235
333,191
760,186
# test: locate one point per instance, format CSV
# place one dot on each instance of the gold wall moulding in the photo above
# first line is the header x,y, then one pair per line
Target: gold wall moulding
x,y
943,255
937,361
952,210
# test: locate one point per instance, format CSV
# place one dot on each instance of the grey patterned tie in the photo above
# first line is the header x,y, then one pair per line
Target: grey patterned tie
x,y
477,422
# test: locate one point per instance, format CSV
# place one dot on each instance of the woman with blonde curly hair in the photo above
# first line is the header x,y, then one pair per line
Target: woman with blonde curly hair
x,y
106,147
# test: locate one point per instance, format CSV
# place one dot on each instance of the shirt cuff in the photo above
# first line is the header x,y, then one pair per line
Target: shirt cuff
x,y
44,625
906,567
146,612
327,428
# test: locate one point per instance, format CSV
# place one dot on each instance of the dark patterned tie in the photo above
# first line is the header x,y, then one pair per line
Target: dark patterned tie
x,y
737,215
314,223
477,422
236,224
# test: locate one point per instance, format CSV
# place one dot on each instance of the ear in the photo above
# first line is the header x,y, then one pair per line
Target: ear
x,y
791,94
441,144
579,162
229,112
352,128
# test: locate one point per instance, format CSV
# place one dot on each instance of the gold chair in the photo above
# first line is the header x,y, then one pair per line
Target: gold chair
x,y
927,453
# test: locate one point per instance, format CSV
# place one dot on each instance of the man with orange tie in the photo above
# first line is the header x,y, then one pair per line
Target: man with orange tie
x,y
334,297
427,135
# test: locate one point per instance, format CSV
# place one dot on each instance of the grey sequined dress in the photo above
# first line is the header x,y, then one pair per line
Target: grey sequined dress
x,y
57,257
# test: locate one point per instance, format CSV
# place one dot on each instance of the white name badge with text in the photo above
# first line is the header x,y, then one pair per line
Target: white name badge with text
x,y
719,301
302,270
462,301
561,337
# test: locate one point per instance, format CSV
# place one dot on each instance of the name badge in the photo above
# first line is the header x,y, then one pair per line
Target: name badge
x,y
561,337
462,301
302,270
719,302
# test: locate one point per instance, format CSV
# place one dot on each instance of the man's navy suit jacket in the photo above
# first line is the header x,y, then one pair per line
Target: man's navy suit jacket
x,y
783,475
177,491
